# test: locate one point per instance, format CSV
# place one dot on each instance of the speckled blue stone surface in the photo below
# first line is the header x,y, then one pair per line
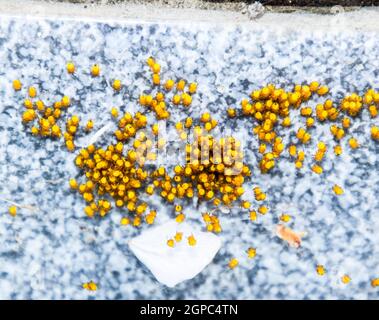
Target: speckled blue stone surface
x,y
50,251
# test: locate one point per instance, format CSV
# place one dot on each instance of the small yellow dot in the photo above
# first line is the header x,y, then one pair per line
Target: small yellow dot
x,y
178,236
90,286
320,270
13,211
117,85
17,85
125,221
95,70
233,263
170,243
251,252
338,190
345,279
70,67
285,217
191,240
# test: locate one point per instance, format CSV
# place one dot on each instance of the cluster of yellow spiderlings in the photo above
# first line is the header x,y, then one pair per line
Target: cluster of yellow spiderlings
x,y
267,105
104,168
71,129
299,155
259,196
129,125
105,174
191,240
212,222
110,172
119,173
47,117
233,262
214,169
352,104
208,122
158,103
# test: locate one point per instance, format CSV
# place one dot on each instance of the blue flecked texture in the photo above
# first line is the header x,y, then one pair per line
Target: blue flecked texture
x,y
50,251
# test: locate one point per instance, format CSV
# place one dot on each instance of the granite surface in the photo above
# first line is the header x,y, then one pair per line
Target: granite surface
x,y
49,251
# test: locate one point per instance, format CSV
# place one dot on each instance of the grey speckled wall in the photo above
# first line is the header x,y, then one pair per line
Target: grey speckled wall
x,y
50,251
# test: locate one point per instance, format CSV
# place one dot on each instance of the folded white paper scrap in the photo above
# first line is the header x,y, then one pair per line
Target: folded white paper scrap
x,y
171,266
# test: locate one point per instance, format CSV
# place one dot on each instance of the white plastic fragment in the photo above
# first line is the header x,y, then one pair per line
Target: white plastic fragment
x,y
171,266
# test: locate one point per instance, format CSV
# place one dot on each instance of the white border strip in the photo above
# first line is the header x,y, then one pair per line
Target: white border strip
x,y
366,19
